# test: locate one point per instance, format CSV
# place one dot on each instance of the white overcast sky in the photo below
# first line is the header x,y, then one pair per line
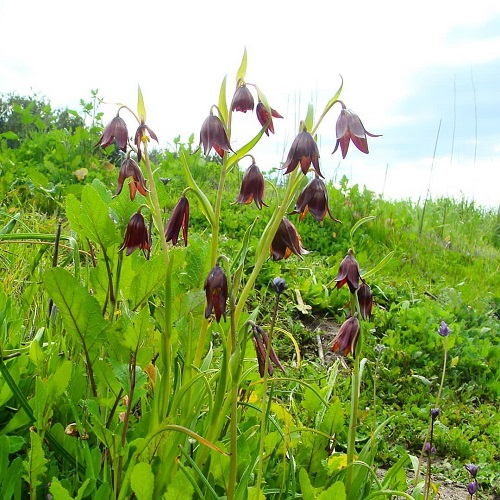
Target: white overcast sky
x,y
407,66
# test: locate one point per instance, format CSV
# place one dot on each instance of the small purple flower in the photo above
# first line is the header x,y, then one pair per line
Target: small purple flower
x,y
279,285
444,330
472,488
429,449
434,413
472,469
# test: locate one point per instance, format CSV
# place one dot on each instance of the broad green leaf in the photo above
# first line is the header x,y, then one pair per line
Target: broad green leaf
x,y
80,311
58,382
39,403
333,421
11,482
180,488
104,492
242,70
308,490
35,464
58,490
90,217
147,280
335,492
142,481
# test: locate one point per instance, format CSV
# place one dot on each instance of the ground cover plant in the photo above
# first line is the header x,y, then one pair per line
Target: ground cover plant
x,y
144,358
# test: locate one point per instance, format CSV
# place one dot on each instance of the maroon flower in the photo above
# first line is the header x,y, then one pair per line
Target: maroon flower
x,y
314,199
141,135
286,241
179,219
252,187
347,337
261,341
213,134
304,151
136,236
129,168
263,116
365,299
115,130
216,291
350,128
242,100
348,273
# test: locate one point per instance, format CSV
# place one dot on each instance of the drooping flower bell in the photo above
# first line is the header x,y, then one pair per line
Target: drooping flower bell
x,y
242,100
286,241
216,292
129,168
213,135
136,236
142,134
261,342
472,469
314,199
179,219
349,128
252,187
115,130
365,299
348,273
263,116
303,150
347,337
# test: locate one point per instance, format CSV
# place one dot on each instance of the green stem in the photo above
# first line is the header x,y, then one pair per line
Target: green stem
x,y
217,211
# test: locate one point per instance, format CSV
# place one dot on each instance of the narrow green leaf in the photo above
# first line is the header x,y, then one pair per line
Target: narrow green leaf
x,y
36,464
142,481
242,70
380,265
58,382
141,108
360,223
309,121
223,112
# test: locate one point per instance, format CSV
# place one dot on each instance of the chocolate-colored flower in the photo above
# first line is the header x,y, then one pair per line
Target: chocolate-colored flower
x,y
115,130
350,128
286,241
314,199
213,135
136,236
365,299
252,187
216,291
348,273
347,337
141,135
261,341
129,168
242,100
263,116
304,151
179,219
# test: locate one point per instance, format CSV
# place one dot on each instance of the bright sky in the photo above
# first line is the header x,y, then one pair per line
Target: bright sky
x,y
407,67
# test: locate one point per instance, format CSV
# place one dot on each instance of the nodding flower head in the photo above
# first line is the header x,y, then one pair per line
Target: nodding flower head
x,y
129,168
179,219
304,151
472,469
365,299
142,134
347,337
263,116
242,99
252,187
314,199
286,241
348,273
216,292
136,236
350,128
115,130
472,487
279,285
435,413
213,135
261,341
